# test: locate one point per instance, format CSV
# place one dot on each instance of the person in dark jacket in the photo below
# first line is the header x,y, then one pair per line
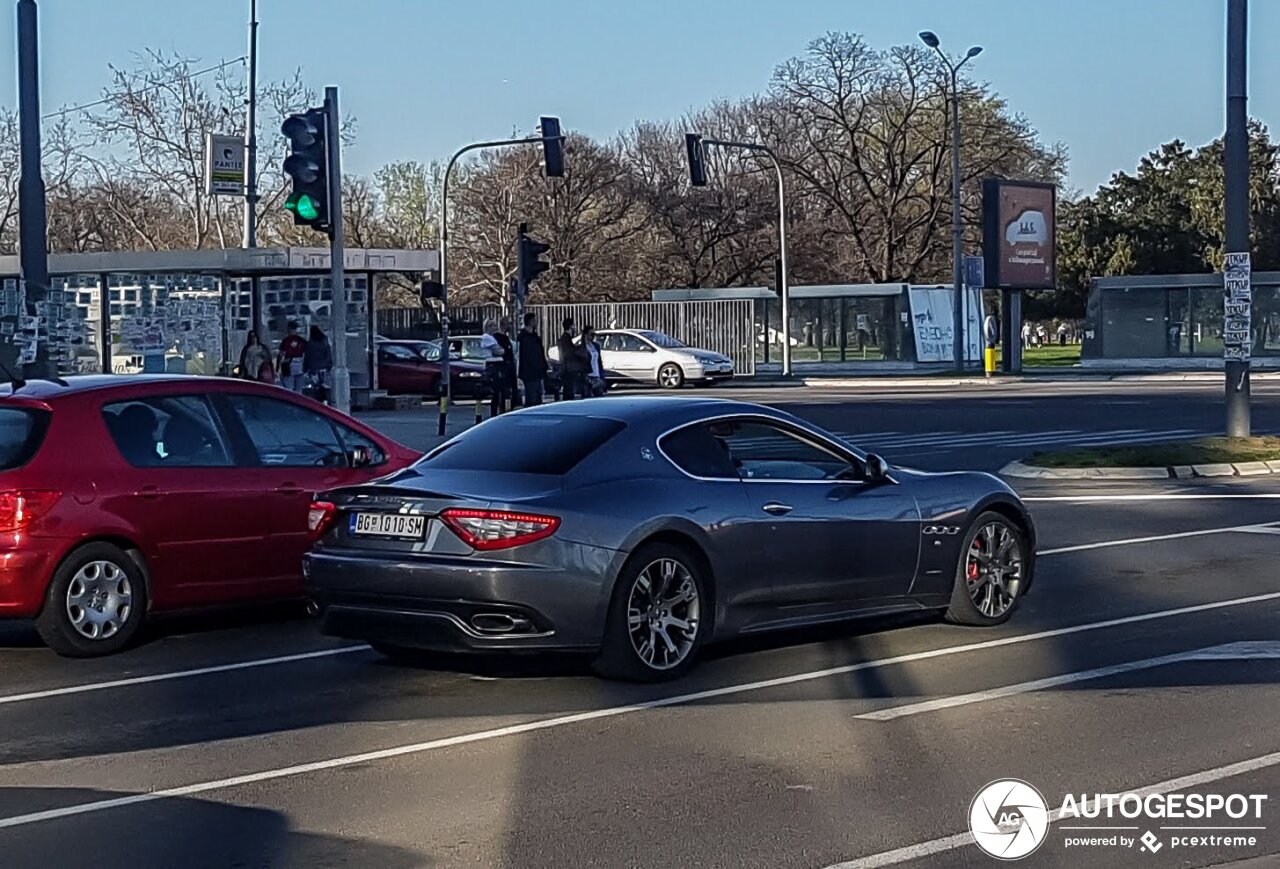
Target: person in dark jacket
x,y
572,371
317,364
533,361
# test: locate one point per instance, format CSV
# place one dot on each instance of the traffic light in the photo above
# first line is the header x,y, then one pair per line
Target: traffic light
x,y
553,147
308,167
777,275
430,289
697,159
531,264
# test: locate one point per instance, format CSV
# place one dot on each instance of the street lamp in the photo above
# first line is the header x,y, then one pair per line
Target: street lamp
x,y
929,38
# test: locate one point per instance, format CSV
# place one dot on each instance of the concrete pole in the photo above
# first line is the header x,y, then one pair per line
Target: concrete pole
x,y
1236,166
33,231
251,136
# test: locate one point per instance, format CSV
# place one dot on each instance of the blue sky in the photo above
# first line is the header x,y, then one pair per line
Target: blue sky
x,y
1110,78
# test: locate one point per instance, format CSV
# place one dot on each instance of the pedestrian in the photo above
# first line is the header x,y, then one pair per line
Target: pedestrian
x,y
1062,334
293,349
590,352
1042,335
255,360
571,368
317,364
533,361
504,337
1026,336
495,374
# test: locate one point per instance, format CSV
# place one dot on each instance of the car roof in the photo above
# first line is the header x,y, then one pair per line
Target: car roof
x,y
647,408
77,384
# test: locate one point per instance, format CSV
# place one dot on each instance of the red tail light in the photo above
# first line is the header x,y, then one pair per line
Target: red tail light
x,y
320,518
498,529
19,508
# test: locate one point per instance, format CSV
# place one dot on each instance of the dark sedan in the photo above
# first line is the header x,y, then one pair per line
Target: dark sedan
x,y
638,529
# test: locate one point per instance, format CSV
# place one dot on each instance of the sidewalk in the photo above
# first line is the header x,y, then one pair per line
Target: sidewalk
x,y
934,380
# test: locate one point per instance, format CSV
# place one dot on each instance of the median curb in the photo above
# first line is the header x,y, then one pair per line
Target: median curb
x,y
1176,472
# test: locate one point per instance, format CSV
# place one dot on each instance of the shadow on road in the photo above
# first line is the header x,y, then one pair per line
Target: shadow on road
x,y
185,832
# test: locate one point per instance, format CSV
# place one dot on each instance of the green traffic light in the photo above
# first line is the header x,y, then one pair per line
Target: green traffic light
x,y
303,205
307,208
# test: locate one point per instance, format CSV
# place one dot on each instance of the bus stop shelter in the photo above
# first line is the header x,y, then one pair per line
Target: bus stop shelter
x,y
190,311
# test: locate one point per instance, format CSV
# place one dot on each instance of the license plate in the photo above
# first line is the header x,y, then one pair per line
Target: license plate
x,y
398,525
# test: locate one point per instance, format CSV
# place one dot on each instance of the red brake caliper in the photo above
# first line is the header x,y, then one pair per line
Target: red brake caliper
x,y
972,570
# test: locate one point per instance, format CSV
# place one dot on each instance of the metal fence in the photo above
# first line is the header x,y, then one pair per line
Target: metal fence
x,y
723,326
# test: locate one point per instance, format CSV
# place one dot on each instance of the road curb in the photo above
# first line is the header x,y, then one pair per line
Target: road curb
x,y
1177,472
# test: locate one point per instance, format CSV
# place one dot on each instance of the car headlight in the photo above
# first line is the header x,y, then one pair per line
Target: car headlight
x,y
469,374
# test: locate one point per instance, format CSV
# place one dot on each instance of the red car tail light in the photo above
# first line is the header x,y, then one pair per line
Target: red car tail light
x,y
498,529
20,507
320,518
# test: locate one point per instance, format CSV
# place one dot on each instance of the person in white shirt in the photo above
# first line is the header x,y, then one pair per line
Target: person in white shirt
x,y
595,371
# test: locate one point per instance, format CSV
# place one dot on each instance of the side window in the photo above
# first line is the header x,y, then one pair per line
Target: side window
x,y
632,344
287,435
396,353
611,342
761,451
178,431
695,451
352,439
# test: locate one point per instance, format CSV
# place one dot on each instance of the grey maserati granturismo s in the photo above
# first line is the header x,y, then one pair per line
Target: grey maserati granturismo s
x,y
639,529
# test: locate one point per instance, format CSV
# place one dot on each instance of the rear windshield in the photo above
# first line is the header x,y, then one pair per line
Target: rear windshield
x,y
21,432
525,444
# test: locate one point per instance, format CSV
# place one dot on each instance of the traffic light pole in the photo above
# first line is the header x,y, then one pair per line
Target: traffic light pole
x,y
341,396
33,247
446,385
783,287
251,139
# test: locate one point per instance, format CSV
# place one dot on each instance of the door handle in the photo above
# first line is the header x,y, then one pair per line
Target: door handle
x,y
149,492
289,489
773,508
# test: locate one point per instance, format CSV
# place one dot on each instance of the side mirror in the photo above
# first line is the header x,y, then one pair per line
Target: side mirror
x,y
360,457
877,470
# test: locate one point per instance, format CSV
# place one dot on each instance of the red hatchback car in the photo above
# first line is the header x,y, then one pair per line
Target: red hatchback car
x,y
125,496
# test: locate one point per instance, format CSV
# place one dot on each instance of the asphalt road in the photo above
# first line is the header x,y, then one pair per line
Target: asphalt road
x,y
248,740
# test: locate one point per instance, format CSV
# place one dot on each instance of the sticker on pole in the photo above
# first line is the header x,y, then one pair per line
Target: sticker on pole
x,y
1237,299
224,173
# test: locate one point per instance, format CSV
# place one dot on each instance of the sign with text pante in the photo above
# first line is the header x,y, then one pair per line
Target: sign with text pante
x,y
1019,234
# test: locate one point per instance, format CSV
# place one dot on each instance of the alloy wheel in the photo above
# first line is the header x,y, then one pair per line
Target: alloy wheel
x,y
99,600
669,377
993,569
663,611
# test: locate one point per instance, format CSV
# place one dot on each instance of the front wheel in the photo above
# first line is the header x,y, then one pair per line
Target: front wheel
x,y
95,603
657,617
671,376
991,573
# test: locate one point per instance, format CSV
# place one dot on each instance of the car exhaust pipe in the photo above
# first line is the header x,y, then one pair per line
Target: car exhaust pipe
x,y
312,608
499,623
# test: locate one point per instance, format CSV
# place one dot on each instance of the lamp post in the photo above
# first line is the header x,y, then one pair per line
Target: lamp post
x,y
784,291
930,39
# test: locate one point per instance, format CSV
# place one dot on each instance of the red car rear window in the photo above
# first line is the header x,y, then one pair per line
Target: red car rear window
x,y
22,431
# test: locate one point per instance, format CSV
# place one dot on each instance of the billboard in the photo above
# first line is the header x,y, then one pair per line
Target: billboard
x,y
1019,234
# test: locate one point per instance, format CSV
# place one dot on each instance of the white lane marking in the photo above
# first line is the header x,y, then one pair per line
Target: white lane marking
x,y
1155,538
180,674
959,840
1162,496
609,712
1261,650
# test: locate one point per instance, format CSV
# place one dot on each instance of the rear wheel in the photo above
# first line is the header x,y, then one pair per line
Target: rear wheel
x,y
95,603
670,376
656,620
990,576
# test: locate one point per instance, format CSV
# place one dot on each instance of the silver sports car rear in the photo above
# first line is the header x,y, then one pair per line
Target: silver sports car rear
x,y
638,529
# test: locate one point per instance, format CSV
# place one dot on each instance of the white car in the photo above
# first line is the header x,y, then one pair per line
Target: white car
x,y
648,356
